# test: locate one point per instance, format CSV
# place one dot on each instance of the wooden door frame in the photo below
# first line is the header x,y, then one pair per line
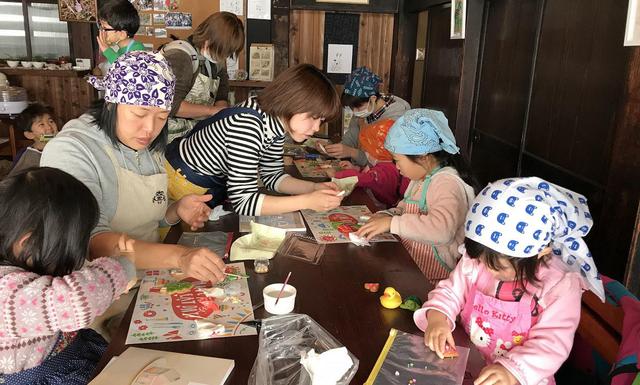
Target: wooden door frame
x,y
470,61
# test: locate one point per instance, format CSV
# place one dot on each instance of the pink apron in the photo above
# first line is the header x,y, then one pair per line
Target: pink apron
x,y
424,254
495,326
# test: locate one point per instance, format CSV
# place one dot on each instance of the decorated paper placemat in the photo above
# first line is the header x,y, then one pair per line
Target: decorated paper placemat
x,y
173,307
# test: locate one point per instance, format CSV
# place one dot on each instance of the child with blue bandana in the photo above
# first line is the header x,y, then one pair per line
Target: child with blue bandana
x,y
519,284
430,218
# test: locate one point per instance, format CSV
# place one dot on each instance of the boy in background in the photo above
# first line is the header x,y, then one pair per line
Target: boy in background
x,y
39,125
118,22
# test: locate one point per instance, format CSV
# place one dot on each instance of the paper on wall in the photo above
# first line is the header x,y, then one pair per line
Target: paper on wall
x,y
339,58
259,9
233,6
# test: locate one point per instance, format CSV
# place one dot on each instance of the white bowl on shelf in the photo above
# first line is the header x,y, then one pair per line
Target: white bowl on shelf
x,y
26,64
38,64
13,63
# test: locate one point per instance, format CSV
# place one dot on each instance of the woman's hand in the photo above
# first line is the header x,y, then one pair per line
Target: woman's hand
x,y
193,210
323,200
374,226
339,150
214,109
326,186
202,264
495,374
438,332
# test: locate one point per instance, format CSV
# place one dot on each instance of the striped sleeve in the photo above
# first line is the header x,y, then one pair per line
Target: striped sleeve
x,y
271,165
244,150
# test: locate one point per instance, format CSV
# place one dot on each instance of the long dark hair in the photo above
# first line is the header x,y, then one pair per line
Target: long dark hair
x,y
56,210
456,161
526,268
104,114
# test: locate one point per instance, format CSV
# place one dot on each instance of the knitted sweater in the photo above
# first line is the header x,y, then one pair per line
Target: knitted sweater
x,y
448,198
36,309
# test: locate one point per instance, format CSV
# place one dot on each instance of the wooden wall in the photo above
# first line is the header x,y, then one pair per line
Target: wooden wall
x,y
375,41
552,93
306,37
65,91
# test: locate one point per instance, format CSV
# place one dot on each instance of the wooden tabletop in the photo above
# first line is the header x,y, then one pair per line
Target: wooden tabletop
x,y
332,293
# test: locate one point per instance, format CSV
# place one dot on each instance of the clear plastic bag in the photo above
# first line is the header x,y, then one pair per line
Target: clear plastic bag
x,y
281,343
408,361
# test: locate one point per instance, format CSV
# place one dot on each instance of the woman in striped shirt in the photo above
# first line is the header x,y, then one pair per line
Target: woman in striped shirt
x,y
225,154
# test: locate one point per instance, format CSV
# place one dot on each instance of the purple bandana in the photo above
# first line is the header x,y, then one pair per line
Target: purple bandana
x,y
138,78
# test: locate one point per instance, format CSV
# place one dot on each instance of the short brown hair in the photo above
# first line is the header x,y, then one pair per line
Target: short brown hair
x,y
301,89
225,34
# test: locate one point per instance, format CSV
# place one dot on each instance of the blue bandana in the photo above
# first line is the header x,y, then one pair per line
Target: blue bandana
x,y
520,217
419,132
362,83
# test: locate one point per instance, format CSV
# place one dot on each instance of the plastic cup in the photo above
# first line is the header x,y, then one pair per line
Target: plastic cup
x,y
287,298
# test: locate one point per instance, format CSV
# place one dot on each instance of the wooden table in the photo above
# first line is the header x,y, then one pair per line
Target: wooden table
x,y
332,293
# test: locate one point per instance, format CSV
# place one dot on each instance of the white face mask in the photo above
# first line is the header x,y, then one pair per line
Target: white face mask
x,y
206,55
364,113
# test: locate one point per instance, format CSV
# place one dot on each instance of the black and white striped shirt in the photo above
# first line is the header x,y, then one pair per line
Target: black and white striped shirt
x,y
239,148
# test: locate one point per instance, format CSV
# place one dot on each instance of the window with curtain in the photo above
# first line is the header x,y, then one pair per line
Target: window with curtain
x,y
47,37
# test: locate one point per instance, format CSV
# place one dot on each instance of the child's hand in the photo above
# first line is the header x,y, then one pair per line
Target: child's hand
x,y
348,165
438,332
193,210
375,226
102,41
339,150
331,172
495,374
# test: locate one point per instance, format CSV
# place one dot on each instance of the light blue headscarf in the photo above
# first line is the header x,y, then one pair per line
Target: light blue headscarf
x,y
519,217
419,132
362,83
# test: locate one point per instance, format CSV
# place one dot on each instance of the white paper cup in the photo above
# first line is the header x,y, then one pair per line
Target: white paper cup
x,y
287,299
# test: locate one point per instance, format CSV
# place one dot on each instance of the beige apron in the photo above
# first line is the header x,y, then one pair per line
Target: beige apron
x,y
203,92
142,204
142,201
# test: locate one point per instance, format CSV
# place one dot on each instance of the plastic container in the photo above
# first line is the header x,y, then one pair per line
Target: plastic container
x,y
261,266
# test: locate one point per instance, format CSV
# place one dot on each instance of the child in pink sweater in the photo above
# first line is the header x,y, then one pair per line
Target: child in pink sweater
x,y
430,218
48,294
519,284
380,176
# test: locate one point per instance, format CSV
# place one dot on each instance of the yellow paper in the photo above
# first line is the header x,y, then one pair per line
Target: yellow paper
x,y
347,184
262,243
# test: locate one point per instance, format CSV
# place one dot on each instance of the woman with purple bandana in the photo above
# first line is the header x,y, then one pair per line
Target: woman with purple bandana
x,y
362,95
518,286
116,151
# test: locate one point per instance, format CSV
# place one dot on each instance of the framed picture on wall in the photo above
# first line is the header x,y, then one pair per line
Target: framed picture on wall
x,y
632,31
78,10
458,18
261,62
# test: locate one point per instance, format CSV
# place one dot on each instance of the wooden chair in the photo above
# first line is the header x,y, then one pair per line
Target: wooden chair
x,y
601,326
8,143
